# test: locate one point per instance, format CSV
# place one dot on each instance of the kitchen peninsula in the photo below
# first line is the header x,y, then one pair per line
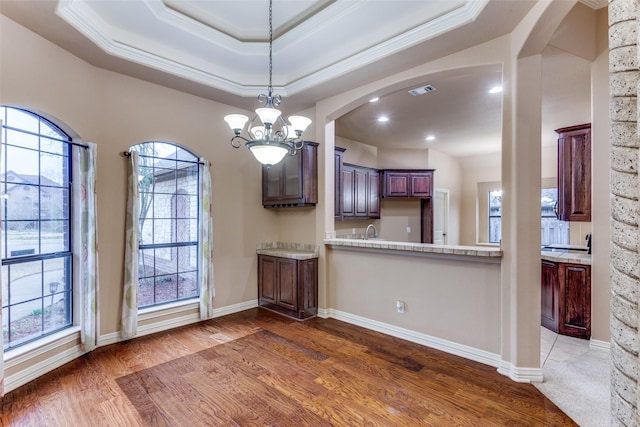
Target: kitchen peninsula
x,y
450,295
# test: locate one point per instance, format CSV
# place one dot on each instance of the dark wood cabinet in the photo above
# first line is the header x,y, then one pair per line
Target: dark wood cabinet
x,y
566,298
337,191
407,183
574,173
360,192
575,300
288,286
293,181
549,311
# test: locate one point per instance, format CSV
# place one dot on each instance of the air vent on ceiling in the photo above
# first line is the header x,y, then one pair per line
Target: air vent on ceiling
x,y
422,90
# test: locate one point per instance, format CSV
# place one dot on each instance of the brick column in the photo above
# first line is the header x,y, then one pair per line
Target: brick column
x,y
624,77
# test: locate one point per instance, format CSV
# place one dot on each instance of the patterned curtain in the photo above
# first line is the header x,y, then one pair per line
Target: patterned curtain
x,y
85,240
205,243
130,293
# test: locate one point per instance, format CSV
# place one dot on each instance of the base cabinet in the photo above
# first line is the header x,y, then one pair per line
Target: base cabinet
x,y
549,309
288,286
566,299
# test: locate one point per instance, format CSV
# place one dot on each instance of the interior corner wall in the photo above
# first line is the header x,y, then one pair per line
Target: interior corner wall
x,y
115,112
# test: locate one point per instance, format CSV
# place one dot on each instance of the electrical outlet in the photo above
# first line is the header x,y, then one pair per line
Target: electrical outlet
x,y
400,306
408,229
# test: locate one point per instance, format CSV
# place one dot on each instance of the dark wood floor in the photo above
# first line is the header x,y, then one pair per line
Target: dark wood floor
x,y
258,368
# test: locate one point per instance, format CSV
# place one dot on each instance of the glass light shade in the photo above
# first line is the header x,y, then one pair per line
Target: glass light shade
x,y
236,121
291,132
268,154
299,123
257,132
268,115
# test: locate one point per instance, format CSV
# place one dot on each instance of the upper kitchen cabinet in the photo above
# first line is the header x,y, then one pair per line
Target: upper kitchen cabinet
x,y
407,183
574,173
293,181
337,191
360,192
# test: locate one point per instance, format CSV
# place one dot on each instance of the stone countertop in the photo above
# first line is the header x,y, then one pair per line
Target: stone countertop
x,y
567,257
479,253
299,251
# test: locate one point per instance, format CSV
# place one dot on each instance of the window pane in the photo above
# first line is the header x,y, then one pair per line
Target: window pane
x,y
25,283
162,204
166,288
55,236
22,120
53,170
145,292
162,231
187,258
24,164
187,285
21,139
22,238
54,203
146,263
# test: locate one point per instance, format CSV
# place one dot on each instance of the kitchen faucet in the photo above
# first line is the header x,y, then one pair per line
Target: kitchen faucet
x,y
375,232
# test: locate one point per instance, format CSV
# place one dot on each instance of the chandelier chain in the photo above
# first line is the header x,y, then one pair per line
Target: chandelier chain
x,y
270,89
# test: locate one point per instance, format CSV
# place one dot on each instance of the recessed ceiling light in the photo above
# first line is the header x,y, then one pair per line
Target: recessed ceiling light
x,y
376,99
496,89
430,138
383,119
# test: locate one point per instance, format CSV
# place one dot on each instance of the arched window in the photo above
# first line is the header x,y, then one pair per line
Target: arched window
x,y
168,223
35,178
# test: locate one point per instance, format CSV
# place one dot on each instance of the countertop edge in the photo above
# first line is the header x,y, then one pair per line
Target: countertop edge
x,y
467,253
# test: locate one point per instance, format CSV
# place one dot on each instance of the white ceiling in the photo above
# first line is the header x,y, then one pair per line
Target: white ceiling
x,y
218,49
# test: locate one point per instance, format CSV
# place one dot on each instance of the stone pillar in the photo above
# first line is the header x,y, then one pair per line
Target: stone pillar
x,y
625,237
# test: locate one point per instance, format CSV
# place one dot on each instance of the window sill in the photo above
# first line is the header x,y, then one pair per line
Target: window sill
x,y
149,313
39,347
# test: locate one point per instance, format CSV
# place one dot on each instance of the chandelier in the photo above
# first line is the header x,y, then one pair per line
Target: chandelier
x,y
269,136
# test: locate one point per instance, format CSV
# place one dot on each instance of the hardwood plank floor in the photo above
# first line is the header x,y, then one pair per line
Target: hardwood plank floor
x,y
259,368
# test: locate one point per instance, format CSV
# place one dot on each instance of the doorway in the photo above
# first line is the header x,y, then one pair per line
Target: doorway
x,y
441,217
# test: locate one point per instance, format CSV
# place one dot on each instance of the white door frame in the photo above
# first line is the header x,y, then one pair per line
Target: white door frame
x,y
444,210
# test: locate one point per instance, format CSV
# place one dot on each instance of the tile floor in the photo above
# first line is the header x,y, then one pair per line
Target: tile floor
x,y
576,378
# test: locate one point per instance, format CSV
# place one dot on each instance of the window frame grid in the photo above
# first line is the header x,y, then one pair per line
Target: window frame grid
x,y
66,255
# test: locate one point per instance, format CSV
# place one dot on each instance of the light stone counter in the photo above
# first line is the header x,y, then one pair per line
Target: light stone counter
x,y
471,253
567,257
299,251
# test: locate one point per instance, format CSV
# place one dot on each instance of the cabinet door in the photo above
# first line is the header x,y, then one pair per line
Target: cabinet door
x,y
574,174
287,287
267,278
348,192
421,184
337,191
549,296
271,180
373,194
361,194
575,301
396,184
292,176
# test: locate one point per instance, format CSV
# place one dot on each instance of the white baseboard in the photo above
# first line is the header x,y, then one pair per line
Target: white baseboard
x,y
461,350
176,321
36,370
599,345
520,375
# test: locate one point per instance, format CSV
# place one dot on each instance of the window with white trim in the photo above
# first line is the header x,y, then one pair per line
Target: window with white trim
x,y
168,235
35,180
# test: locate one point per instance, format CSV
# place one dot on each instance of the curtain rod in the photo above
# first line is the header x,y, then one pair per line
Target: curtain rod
x,y
128,154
